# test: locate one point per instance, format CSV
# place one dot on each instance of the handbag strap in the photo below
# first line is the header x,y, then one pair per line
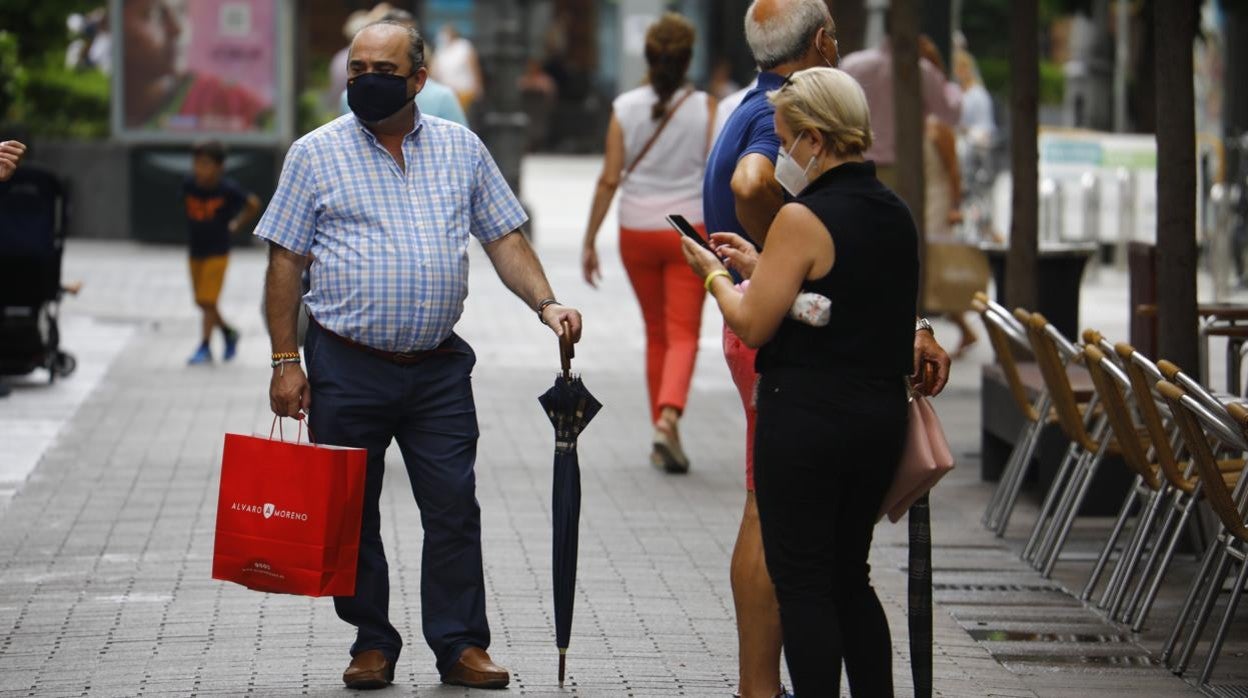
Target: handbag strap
x,y
657,132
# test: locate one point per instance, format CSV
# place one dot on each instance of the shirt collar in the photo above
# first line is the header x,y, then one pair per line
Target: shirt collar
x,y
768,81
418,121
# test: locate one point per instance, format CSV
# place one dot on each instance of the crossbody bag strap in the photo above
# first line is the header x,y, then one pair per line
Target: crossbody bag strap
x,y
662,125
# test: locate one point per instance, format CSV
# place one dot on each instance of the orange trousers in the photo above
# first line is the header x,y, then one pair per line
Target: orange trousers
x,y
671,297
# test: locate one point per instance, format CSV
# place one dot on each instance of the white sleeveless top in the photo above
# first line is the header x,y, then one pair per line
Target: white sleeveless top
x,y
669,178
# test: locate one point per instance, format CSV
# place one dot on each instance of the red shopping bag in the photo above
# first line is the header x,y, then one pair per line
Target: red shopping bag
x,y
288,516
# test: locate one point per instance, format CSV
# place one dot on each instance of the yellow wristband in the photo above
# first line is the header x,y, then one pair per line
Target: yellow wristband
x,y
710,278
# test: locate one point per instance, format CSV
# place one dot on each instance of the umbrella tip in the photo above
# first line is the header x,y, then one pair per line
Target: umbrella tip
x,y
563,665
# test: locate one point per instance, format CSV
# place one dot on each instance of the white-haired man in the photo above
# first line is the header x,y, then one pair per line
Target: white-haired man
x,y
740,198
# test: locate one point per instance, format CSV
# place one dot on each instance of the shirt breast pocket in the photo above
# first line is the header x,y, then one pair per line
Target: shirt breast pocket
x,y
444,208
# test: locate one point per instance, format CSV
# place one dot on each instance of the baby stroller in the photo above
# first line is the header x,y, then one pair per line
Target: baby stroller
x,y
32,237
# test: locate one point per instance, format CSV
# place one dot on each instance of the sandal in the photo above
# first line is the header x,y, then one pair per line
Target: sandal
x,y
671,457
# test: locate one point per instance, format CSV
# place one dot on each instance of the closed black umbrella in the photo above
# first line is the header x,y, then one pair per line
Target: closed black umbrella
x,y
920,601
570,408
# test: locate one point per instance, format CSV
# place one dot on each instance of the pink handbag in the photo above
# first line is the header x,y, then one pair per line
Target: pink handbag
x,y
925,460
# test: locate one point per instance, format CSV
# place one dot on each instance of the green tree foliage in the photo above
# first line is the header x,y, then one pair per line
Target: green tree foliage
x,y
41,23
981,23
36,89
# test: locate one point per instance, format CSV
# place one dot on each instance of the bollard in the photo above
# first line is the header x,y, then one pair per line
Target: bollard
x,y
1126,216
1050,210
1218,241
1090,198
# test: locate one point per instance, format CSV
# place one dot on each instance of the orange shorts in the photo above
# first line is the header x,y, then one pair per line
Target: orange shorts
x,y
740,360
207,277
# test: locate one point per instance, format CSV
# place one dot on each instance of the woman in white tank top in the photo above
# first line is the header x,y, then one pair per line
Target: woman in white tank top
x,y
655,154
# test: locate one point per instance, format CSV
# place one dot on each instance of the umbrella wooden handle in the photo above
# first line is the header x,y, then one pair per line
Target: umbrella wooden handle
x,y
566,350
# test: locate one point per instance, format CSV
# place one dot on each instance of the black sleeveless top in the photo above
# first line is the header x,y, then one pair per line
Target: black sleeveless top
x,y
873,285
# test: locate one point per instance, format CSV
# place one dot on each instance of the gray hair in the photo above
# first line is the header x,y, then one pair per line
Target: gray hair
x,y
415,42
786,36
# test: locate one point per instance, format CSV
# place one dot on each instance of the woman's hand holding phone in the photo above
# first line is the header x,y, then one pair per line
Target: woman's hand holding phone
x,y
738,254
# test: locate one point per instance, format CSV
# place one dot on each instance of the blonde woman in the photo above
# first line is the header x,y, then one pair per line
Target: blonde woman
x,y
656,153
831,399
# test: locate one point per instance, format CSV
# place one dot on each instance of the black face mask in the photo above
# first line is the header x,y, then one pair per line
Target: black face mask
x,y
376,96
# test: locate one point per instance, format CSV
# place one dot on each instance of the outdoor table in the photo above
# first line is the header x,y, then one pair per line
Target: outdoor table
x,y
1059,277
1228,320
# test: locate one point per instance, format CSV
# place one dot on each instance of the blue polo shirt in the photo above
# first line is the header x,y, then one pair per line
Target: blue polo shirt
x,y
750,129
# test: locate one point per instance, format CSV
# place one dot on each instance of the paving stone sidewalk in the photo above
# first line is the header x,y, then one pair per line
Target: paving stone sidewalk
x,y
105,549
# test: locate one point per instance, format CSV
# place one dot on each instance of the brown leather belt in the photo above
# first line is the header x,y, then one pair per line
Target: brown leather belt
x,y
402,358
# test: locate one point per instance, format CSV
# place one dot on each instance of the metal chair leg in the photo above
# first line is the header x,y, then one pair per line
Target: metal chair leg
x,y
992,510
1141,615
1120,569
1067,507
992,513
1063,530
1146,526
1073,454
1231,604
1016,485
1212,590
1061,506
1123,514
1116,578
1193,596
1161,553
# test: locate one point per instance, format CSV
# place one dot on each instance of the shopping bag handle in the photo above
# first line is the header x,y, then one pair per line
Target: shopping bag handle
x,y
277,424
566,350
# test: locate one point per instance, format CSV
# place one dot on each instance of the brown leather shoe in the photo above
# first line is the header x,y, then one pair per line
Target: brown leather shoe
x,y
475,669
369,669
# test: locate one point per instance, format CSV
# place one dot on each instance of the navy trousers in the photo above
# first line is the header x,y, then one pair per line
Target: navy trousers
x,y
364,401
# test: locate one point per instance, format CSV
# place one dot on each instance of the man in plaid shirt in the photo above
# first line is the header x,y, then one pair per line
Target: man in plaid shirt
x,y
384,202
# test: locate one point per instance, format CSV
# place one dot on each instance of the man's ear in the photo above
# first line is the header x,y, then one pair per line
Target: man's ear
x,y
420,76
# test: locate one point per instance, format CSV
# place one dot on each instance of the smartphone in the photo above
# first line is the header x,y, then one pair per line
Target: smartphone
x,y
678,222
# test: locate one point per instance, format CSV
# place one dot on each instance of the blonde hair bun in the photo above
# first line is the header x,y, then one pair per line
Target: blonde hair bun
x,y
829,101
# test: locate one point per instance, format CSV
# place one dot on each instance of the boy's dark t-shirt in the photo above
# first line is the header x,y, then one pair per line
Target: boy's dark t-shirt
x,y
208,215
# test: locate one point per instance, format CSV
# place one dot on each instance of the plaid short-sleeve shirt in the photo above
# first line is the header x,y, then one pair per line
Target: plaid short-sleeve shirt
x,y
389,246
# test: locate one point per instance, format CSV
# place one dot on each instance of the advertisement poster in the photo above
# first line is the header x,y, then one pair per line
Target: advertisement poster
x,y
195,67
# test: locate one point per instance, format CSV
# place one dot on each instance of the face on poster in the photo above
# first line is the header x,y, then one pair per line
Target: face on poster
x,y
199,66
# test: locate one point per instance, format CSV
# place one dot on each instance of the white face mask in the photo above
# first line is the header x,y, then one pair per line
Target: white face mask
x,y
789,174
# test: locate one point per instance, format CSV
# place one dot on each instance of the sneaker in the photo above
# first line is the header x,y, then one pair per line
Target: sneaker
x,y
231,343
202,355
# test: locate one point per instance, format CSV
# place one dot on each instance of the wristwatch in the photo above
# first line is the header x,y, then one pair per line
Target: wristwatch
x,y
924,325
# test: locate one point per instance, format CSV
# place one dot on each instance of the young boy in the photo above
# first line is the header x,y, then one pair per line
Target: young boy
x,y
216,208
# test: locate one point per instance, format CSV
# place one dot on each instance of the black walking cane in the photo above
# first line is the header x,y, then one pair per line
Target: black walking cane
x,y
920,601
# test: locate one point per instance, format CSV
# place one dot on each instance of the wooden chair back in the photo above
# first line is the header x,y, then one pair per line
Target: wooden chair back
x,y
1049,357
1192,419
1002,339
1110,382
1190,385
1144,375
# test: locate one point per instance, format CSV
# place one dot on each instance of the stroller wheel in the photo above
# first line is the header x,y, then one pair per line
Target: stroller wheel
x,y
64,364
